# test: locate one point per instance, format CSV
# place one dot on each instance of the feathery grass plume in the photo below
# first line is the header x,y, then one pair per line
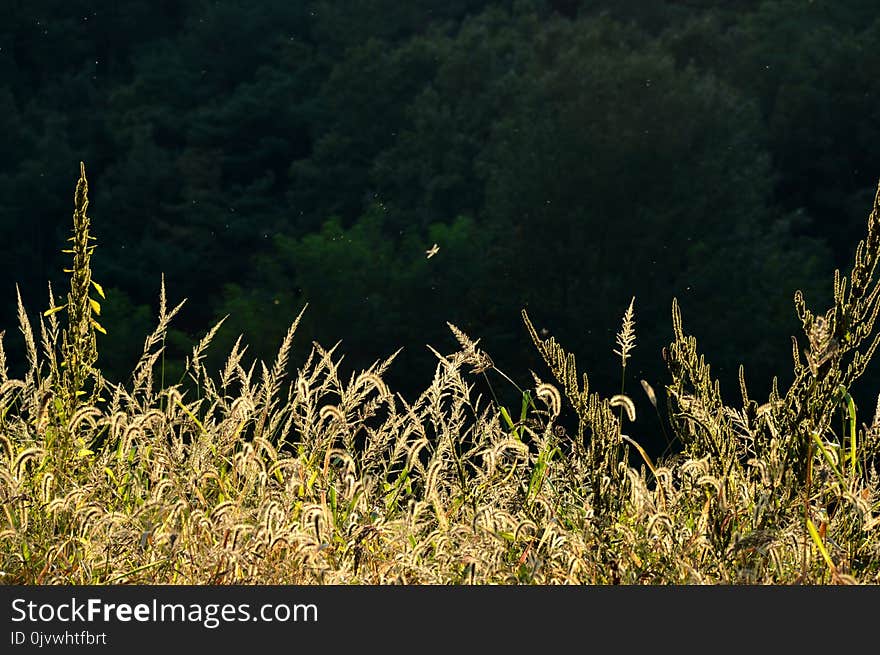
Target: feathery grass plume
x,y
626,337
49,335
142,377
272,379
626,341
194,368
24,324
479,359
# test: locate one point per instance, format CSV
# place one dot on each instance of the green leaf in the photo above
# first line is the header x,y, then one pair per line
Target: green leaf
x,y
99,289
828,458
526,399
814,534
506,417
54,310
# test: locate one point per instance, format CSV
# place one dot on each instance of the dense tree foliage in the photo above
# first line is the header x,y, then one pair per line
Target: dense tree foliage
x,y
562,155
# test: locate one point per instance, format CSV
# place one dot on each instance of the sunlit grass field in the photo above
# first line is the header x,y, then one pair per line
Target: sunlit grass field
x,y
285,473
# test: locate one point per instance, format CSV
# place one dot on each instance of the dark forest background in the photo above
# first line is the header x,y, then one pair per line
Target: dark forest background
x,y
565,156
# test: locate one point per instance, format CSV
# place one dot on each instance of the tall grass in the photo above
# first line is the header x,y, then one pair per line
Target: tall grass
x,y
266,475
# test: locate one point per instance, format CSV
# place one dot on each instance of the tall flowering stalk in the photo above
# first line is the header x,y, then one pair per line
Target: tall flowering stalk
x,y
79,349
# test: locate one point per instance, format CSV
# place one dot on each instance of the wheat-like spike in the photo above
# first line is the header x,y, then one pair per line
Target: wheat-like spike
x,y
448,364
48,338
232,363
326,363
200,348
281,359
25,327
163,299
626,337
165,316
380,367
480,361
244,379
266,377
467,344
142,378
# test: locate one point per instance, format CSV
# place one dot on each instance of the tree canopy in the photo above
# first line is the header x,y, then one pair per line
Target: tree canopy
x,y
563,156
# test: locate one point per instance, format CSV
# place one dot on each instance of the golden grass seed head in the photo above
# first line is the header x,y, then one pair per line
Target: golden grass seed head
x,y
24,458
621,400
551,396
47,486
332,412
6,449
